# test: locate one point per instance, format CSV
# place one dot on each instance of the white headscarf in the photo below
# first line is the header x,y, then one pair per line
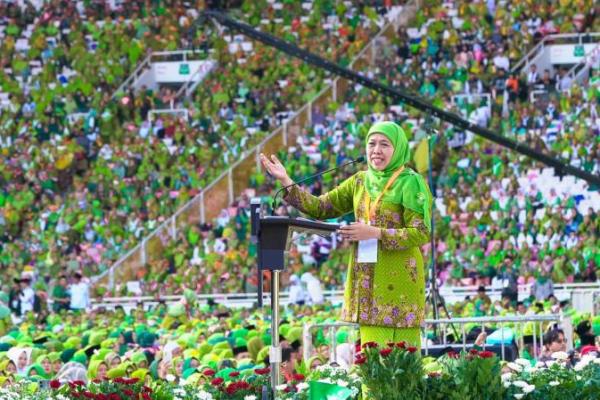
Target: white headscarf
x,y
313,286
15,352
297,292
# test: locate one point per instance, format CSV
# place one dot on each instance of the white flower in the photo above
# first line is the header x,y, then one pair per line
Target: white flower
x,y
596,361
514,366
519,395
202,395
302,386
523,362
520,384
342,383
554,383
170,378
250,397
560,355
506,377
529,388
326,380
280,387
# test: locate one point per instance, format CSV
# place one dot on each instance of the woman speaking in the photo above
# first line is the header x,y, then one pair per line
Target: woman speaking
x,y
385,287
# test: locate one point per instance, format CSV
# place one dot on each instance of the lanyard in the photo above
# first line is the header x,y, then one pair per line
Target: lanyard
x,y
371,209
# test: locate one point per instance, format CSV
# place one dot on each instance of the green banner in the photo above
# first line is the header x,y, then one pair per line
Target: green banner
x,y
578,52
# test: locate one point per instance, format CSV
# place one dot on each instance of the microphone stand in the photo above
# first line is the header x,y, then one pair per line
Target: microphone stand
x,y
434,296
274,203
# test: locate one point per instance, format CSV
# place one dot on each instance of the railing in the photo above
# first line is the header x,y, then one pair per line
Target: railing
x,y
134,76
222,191
188,87
155,56
551,39
184,111
518,322
582,295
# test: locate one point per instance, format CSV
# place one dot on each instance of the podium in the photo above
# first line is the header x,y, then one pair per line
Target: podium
x,y
273,238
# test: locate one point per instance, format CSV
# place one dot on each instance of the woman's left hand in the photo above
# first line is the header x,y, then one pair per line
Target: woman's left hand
x,y
359,231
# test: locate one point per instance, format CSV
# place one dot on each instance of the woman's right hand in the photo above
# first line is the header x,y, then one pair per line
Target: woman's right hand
x,y
276,169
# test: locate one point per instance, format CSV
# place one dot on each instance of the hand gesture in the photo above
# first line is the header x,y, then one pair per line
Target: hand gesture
x,y
276,169
359,231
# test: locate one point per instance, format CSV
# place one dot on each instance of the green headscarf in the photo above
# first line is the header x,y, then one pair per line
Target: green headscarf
x,y
38,369
409,189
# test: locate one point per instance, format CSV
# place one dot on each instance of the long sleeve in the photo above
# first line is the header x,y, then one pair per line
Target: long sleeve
x,y
334,203
415,234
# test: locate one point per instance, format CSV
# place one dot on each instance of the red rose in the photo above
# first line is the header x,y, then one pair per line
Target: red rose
x,y
391,344
88,395
54,384
262,371
76,395
289,389
114,396
133,381
369,345
146,396
452,354
128,392
146,389
487,354
78,383
216,381
385,352
233,374
96,381
243,385
101,396
298,377
402,345
473,351
208,372
231,389
411,349
360,360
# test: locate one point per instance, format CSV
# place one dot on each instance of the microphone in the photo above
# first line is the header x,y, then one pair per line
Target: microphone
x,y
274,203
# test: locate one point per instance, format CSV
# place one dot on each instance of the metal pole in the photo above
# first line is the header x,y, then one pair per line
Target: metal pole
x,y
432,235
275,350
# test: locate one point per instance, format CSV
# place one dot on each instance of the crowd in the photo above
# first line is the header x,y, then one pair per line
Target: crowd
x,y
499,214
94,186
494,216
189,343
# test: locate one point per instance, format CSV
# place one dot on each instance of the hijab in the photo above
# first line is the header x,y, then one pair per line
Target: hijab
x,y
409,189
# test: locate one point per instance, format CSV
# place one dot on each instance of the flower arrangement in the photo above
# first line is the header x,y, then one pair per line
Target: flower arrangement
x,y
383,370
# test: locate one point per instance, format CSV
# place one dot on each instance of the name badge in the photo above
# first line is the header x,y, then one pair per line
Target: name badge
x,y
367,251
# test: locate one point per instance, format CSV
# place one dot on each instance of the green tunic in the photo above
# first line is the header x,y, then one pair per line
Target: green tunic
x,y
391,292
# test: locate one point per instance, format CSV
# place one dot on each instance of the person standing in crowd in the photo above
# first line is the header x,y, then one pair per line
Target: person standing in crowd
x,y
26,296
385,288
14,302
297,293
314,290
79,293
60,295
543,287
508,278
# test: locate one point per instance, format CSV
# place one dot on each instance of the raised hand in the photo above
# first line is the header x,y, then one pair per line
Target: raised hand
x,y
275,169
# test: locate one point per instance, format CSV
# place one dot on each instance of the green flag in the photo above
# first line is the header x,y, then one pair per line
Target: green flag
x,y
328,391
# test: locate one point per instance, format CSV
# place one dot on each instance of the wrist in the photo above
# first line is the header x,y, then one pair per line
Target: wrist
x,y
286,181
378,233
